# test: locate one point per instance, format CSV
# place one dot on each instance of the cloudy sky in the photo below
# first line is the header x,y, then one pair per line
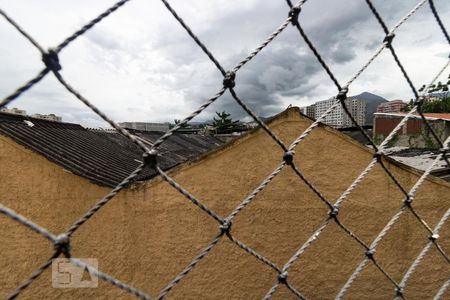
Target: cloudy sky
x,y
139,64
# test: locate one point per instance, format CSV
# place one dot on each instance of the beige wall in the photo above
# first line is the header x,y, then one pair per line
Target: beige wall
x,y
149,233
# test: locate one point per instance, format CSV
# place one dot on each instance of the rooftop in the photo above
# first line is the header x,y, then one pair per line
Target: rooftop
x,y
430,116
421,159
106,157
103,157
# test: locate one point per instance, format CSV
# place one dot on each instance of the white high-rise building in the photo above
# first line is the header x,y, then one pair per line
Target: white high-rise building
x,y
338,118
309,111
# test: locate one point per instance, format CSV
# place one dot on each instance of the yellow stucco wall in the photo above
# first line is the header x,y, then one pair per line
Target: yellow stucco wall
x,y
149,232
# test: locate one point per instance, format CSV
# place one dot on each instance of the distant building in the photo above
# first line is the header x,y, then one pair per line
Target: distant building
x,y
338,118
394,106
250,125
432,98
21,112
144,126
49,117
414,134
309,111
358,110
14,111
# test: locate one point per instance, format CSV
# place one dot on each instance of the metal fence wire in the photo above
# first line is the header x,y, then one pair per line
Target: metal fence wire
x,y
150,158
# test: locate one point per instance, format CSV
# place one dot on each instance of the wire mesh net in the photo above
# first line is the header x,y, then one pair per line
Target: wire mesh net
x,y
151,157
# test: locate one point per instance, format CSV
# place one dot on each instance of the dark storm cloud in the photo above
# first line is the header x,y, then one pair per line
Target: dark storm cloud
x,y
338,29
285,67
278,71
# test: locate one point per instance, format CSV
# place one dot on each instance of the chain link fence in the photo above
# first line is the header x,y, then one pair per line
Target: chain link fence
x,y
150,158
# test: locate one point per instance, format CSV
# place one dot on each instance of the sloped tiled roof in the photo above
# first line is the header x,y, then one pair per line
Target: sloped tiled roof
x,y
431,116
103,157
438,116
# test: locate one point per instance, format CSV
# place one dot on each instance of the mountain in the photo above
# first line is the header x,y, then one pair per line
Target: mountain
x,y
372,101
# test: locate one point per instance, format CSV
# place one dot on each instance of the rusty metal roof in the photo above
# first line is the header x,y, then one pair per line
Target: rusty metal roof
x,y
103,157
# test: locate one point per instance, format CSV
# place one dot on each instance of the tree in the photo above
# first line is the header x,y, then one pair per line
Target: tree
x,y
438,105
439,87
225,124
183,126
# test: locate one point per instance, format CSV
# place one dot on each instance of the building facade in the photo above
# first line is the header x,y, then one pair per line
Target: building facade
x,y
21,112
414,134
49,117
338,118
149,232
14,111
309,111
145,126
394,106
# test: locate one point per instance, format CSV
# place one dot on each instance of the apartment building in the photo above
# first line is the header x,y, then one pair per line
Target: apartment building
x,y
394,106
309,111
338,118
